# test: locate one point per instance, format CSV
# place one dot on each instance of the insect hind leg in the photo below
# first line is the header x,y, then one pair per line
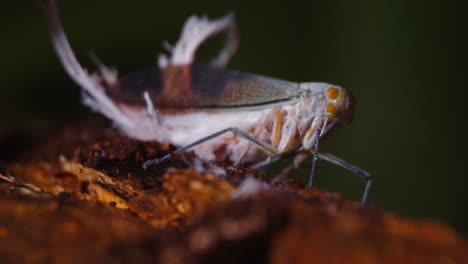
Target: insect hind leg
x,y
269,149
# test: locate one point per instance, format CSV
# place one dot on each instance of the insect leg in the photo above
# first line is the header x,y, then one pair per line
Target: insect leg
x,y
298,159
260,144
266,162
346,165
314,159
196,30
99,100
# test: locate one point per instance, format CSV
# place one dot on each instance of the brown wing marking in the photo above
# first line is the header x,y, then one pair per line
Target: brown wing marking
x,y
177,87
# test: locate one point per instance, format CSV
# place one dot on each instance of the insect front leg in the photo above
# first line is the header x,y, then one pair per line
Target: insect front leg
x,y
350,167
269,149
318,132
299,158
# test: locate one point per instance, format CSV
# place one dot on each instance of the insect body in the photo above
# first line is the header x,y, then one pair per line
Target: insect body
x,y
220,114
281,116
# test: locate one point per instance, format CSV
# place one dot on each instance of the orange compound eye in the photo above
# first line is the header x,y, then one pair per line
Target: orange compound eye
x,y
330,108
332,92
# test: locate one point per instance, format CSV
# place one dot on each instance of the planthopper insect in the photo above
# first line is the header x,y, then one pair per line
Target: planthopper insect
x,y
218,114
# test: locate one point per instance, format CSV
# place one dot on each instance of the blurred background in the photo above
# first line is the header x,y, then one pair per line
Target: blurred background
x,y
403,60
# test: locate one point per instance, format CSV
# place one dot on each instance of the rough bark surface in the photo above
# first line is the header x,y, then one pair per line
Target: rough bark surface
x,y
82,197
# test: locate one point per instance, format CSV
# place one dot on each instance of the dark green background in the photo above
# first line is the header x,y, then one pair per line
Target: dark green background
x,y
403,60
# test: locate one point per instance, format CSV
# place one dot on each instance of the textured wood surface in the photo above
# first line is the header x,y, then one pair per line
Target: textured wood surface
x,y
81,196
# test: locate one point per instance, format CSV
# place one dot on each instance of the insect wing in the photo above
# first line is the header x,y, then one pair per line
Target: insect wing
x,y
200,86
228,88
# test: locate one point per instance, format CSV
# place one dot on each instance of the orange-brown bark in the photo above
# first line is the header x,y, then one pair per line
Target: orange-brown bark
x,y
83,197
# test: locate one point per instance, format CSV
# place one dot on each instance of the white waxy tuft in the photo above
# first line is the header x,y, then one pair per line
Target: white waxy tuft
x,y
196,30
250,186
